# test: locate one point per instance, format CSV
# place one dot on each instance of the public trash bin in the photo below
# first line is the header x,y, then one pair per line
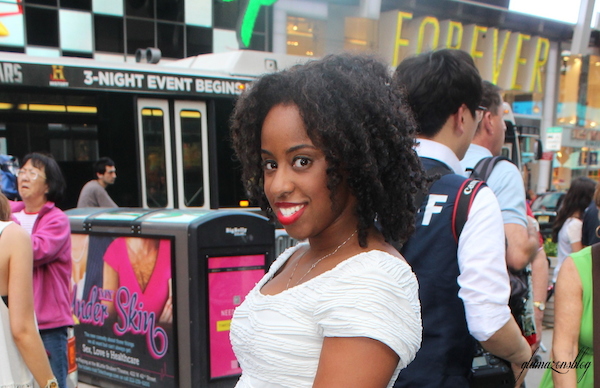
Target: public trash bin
x,y
154,292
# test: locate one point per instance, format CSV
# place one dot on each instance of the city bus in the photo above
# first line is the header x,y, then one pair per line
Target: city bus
x,y
164,125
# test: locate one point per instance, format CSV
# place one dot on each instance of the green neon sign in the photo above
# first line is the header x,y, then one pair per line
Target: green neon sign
x,y
249,17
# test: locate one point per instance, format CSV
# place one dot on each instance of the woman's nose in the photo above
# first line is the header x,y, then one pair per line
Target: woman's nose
x,y
281,183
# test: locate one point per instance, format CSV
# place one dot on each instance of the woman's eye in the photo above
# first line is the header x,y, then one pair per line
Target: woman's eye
x,y
301,162
269,165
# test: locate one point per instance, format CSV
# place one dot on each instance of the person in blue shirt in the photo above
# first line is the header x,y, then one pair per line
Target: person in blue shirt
x,y
522,237
505,180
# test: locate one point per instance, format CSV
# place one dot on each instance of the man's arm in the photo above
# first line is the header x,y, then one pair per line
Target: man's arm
x,y
484,283
522,244
483,279
539,281
51,237
104,200
521,234
508,343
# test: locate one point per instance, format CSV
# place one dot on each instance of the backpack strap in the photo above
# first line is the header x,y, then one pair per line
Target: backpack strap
x,y
462,205
480,173
483,169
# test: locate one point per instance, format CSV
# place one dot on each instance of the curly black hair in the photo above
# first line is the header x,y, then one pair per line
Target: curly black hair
x,y
363,126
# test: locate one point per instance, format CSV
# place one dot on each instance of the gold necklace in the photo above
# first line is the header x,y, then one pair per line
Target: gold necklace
x,y
316,262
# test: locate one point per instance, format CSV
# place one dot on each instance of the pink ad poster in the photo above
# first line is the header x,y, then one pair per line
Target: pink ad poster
x,y
230,279
123,305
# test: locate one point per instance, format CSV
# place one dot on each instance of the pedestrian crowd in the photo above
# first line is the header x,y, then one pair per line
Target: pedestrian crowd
x,y
420,262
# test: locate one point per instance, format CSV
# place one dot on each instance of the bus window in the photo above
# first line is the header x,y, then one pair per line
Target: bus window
x,y
153,133
231,190
191,143
73,142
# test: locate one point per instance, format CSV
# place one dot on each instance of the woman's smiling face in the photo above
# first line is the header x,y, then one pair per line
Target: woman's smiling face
x,y
295,178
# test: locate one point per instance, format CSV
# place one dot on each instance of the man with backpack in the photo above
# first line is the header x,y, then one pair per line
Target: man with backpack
x,y
460,265
483,161
505,180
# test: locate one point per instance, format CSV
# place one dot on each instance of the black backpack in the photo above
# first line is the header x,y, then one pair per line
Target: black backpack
x,y
483,169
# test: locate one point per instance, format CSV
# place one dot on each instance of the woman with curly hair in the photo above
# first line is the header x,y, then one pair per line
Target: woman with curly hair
x,y
327,149
567,226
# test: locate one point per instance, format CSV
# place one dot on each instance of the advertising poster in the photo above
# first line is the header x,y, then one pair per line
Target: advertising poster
x,y
230,278
123,305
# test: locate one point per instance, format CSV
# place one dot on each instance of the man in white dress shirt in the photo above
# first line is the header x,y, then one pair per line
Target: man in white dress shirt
x,y
464,287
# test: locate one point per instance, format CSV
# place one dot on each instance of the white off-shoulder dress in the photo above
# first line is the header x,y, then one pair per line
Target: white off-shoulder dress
x,y
277,339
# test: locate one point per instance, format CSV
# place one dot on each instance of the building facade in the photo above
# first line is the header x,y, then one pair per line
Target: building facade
x,y
115,29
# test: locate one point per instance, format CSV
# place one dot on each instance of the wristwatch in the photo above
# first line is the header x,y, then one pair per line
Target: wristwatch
x,y
540,305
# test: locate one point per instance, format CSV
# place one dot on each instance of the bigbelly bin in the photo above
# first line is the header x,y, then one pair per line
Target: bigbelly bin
x,y
154,292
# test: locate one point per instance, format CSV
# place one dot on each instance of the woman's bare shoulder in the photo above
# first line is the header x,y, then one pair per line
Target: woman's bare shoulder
x,y
14,233
568,277
376,241
385,247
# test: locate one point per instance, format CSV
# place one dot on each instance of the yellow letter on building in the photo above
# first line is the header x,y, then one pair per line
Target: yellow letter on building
x,y
542,48
432,35
400,42
471,37
507,78
393,47
451,34
504,37
520,60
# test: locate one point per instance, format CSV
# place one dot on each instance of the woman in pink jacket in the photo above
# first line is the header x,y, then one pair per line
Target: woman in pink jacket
x,y
41,184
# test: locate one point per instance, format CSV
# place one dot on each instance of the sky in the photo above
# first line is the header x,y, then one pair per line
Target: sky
x,y
563,10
